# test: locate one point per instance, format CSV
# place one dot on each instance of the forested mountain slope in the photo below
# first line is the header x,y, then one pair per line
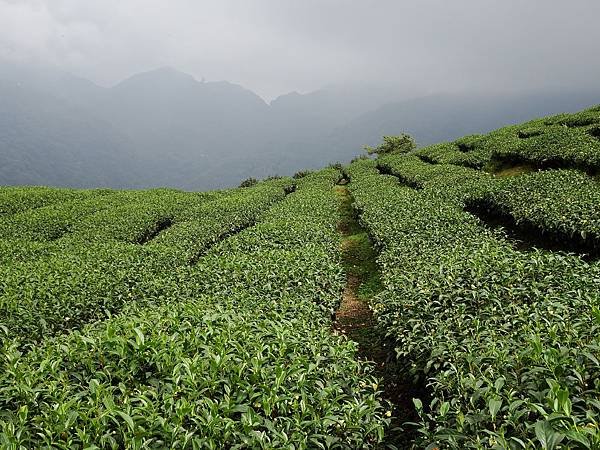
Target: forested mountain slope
x,y
165,128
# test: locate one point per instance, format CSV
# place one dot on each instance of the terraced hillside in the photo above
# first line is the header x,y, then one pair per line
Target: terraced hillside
x,y
455,287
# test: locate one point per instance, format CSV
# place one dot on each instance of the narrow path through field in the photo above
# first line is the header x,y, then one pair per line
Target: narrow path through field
x,y
355,319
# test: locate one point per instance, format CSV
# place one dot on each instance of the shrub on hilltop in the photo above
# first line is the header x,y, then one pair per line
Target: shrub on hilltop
x,y
248,182
402,143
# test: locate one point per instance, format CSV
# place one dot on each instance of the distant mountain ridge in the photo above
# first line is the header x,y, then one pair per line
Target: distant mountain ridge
x,y
165,128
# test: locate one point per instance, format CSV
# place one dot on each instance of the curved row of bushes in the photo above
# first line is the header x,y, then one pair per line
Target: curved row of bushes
x,y
560,141
508,342
233,352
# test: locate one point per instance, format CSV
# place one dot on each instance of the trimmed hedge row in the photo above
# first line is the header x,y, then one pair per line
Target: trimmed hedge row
x,y
508,342
560,141
239,355
81,278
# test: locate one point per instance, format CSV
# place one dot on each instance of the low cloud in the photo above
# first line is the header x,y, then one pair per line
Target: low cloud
x,y
275,46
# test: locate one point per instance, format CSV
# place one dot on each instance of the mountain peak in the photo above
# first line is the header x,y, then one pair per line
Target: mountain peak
x,y
163,74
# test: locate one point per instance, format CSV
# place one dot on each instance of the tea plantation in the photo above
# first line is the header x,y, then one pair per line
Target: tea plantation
x,y
170,319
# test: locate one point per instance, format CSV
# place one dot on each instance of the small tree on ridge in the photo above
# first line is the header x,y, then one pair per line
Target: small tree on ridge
x,y
402,143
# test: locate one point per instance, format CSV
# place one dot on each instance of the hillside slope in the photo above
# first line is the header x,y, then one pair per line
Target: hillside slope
x,y
44,140
322,311
491,292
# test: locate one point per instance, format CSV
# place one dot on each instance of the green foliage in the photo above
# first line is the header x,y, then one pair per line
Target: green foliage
x,y
507,341
234,350
99,268
559,204
248,182
561,141
273,177
402,143
301,174
358,158
19,199
450,153
166,319
336,166
413,172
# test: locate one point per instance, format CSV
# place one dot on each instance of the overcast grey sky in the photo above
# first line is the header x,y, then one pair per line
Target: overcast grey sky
x,y
276,46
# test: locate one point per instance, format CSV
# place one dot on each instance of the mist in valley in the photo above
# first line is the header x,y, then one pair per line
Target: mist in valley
x,y
198,95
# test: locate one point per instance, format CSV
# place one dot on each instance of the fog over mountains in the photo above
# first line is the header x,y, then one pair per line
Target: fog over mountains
x,y
165,128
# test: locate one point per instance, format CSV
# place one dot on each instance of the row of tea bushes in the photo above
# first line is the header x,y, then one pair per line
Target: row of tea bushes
x,y
239,355
72,282
560,141
16,199
559,204
508,342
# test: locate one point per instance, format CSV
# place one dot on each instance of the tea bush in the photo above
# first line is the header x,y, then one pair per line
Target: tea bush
x,y
169,319
97,269
507,341
560,141
561,205
23,198
234,351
